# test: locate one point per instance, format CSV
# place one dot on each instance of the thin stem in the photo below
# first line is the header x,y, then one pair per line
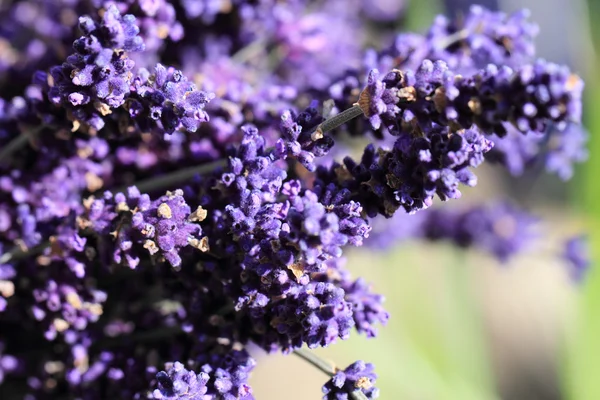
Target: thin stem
x,y
455,37
358,395
17,253
13,146
174,177
339,119
313,359
326,367
249,52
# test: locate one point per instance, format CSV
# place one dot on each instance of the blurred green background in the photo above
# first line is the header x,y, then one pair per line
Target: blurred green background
x,y
464,326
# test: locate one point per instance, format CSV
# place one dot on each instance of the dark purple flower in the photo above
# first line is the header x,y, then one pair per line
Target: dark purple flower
x,y
223,376
531,98
167,100
358,376
412,173
134,224
177,383
97,77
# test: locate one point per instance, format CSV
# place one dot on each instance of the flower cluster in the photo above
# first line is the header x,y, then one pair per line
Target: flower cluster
x,y
410,174
156,222
530,98
224,377
132,222
358,376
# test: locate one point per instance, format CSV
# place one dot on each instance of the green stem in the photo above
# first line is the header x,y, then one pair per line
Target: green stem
x,y
339,119
316,361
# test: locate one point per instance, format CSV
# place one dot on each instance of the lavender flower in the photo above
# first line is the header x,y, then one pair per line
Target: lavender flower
x,y
179,383
558,149
133,222
166,99
413,172
225,376
96,78
529,98
358,376
246,247
300,139
500,228
157,20
482,37
577,254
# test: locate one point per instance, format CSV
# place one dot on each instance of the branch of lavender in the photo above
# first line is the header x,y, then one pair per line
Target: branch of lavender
x,y
166,180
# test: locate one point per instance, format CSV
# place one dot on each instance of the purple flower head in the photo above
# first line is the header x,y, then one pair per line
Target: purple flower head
x,y
97,77
531,98
483,37
358,376
315,314
156,19
230,372
414,171
167,100
114,31
301,140
499,228
134,225
577,254
222,376
466,44
66,305
177,383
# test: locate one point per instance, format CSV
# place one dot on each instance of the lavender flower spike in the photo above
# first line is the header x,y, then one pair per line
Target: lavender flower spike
x,y
358,376
177,383
97,77
530,97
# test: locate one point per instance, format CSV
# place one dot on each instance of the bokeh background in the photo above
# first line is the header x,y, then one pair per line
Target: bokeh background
x,y
464,326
